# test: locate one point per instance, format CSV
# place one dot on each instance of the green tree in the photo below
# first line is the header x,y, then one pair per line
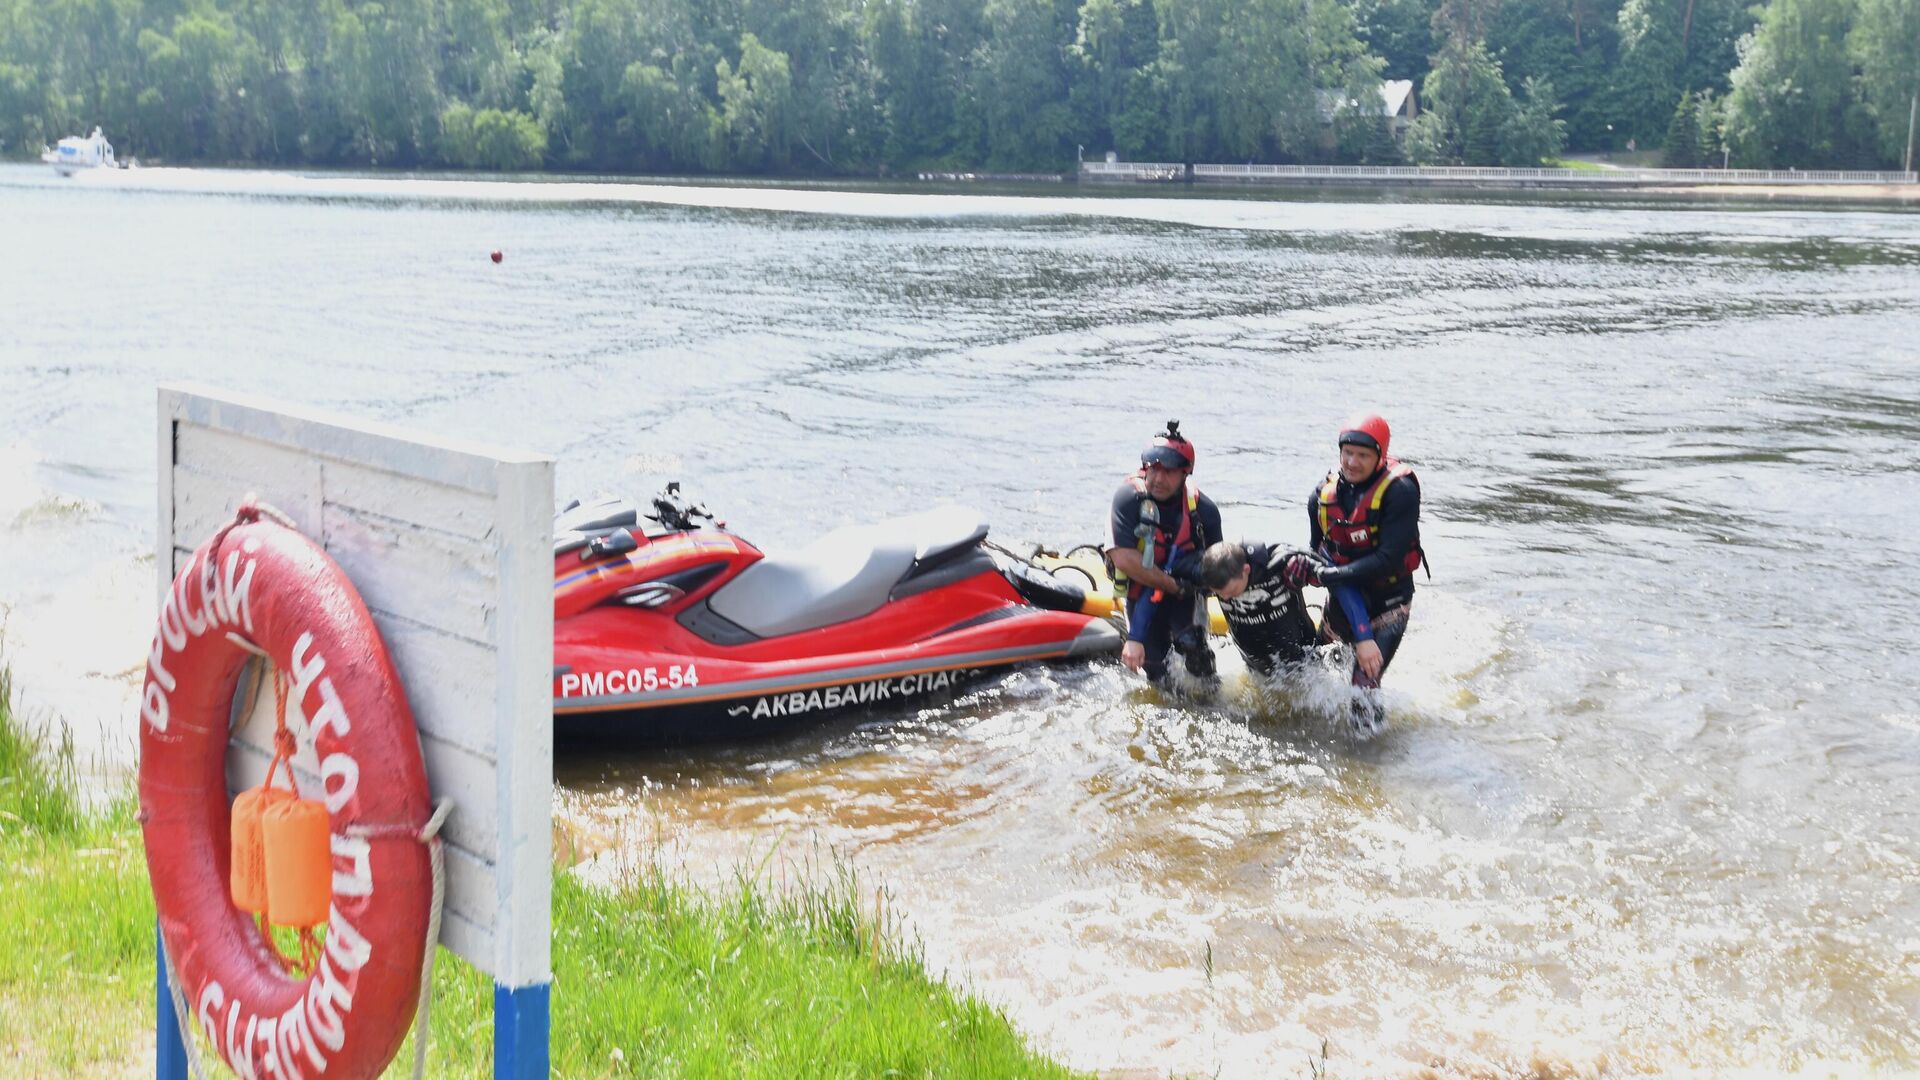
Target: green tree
x,y
1459,22
757,106
89,54
1113,99
1792,103
855,85
546,93
1681,149
835,86
194,101
317,92
1258,81
1380,148
403,98
1533,132
1024,91
1574,45
28,108
599,41
1400,32
491,138
1470,117
677,127
1709,129
921,49
1710,32
1885,42
1464,104
478,60
1647,78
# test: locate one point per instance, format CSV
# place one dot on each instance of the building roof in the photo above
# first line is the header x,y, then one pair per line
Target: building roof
x,y
1394,95
1395,92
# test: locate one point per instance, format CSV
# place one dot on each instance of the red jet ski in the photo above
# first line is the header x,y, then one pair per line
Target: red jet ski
x,y
668,627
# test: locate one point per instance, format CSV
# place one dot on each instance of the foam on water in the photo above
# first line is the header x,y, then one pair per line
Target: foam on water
x,y
73,614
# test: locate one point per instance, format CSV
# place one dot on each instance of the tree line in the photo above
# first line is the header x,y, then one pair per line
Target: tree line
x,y
859,87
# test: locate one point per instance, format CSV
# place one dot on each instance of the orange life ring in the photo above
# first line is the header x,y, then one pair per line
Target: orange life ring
x,y
266,584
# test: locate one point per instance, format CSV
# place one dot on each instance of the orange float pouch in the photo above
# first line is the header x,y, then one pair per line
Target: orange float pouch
x,y
299,863
247,878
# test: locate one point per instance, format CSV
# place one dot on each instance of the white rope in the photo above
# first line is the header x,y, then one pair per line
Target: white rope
x,y
239,716
272,513
187,1041
430,836
209,568
249,646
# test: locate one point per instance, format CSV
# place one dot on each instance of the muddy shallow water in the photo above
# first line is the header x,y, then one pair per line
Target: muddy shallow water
x,y
1646,800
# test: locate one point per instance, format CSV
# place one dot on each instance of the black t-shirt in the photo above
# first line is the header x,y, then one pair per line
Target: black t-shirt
x,y
1126,520
1268,622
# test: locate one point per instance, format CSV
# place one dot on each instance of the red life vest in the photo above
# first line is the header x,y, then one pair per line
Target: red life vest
x,y
1349,536
1180,538
1154,553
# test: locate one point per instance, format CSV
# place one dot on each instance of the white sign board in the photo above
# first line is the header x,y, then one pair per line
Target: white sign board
x,y
451,547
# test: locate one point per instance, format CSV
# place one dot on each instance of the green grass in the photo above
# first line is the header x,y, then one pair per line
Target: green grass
x,y
76,936
761,984
1574,163
651,977
36,781
656,979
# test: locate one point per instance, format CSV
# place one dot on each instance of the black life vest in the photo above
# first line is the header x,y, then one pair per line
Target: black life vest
x,y
1347,537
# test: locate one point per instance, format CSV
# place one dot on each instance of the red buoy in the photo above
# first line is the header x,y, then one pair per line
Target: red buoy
x,y
348,1015
496,255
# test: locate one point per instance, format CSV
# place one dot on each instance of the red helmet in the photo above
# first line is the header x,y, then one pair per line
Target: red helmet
x,y
1366,429
1170,449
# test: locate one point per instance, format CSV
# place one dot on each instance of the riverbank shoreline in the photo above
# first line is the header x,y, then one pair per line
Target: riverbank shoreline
x,y
1894,195
954,184
1582,177
1903,194
852,994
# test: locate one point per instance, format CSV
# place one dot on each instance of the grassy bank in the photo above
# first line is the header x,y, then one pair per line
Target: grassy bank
x,y
651,978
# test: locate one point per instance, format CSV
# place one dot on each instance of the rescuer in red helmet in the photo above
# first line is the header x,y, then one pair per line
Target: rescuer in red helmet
x,y
1364,520
1161,523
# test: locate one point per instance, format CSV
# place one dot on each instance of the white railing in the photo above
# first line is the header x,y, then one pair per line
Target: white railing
x,y
1133,170
1533,175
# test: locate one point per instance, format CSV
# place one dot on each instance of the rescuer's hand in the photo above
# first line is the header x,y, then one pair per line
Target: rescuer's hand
x,y
1302,570
1134,655
1366,654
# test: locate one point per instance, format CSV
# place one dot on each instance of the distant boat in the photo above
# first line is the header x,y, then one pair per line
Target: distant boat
x,y
75,154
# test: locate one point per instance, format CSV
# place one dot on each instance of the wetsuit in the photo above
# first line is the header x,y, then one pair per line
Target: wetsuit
x,y
1269,623
1189,539
1378,567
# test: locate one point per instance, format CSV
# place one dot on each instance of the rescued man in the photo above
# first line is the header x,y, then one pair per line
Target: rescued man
x,y
1265,615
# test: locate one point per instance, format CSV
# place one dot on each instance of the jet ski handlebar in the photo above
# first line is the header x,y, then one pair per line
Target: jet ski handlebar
x,y
609,524
676,512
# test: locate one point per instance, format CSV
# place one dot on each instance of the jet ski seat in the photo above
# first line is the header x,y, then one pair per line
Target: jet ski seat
x,y
844,574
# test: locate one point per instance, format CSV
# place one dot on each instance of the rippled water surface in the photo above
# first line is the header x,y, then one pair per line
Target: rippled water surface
x,y
1647,801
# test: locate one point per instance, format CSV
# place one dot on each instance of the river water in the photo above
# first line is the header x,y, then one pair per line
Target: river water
x,y
1647,798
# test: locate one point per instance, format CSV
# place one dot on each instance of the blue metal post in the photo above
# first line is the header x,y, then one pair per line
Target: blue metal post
x,y
520,1029
169,1052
